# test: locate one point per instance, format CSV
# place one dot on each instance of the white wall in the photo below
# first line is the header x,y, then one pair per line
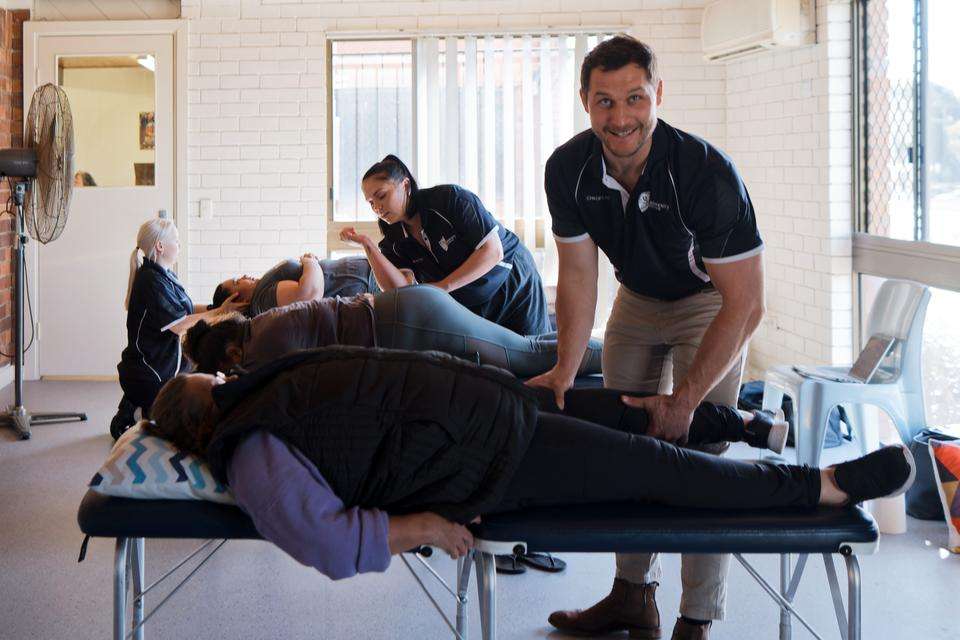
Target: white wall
x,y
106,105
789,132
258,143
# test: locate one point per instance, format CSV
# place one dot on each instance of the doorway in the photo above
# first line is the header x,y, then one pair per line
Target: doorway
x,y
126,85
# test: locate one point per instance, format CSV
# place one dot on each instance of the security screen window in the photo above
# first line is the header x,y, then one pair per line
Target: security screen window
x,y
911,120
372,115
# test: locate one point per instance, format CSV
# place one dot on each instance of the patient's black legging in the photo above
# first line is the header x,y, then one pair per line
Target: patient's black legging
x,y
711,422
572,461
422,317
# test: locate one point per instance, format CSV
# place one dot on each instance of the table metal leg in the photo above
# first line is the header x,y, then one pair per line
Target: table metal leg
x,y
486,594
120,564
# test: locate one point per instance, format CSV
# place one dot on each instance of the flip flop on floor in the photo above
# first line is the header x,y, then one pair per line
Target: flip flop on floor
x,y
509,564
543,562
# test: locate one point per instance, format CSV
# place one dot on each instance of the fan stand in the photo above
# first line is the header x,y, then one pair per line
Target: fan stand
x,y
17,417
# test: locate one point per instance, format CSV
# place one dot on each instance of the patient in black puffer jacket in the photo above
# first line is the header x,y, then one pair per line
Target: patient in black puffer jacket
x,y
343,456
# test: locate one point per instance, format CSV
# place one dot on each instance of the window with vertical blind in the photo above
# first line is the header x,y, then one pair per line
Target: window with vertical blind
x,y
484,112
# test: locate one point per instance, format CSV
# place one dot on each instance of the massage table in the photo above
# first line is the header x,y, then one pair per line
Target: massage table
x,y
847,532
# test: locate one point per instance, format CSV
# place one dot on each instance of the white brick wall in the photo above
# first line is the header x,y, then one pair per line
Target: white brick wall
x,y
788,130
257,136
257,105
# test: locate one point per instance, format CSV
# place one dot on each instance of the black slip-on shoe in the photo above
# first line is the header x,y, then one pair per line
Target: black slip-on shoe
x,y
886,472
767,430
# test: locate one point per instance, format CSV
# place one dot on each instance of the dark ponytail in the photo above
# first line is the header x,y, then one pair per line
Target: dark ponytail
x,y
205,343
393,168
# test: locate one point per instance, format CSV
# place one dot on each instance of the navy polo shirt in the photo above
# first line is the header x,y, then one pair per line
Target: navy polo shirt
x,y
689,208
157,300
455,224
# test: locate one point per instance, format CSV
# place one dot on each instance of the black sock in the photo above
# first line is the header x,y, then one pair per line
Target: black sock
x,y
694,621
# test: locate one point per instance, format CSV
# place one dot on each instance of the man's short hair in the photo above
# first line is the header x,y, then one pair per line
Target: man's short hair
x,y
616,53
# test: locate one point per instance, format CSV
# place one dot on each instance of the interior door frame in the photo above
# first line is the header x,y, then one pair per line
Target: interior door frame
x,y
33,31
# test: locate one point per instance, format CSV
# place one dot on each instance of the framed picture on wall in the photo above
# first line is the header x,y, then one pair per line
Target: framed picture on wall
x,y
143,174
147,137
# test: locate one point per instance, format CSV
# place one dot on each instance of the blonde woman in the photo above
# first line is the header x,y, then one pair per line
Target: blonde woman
x,y
159,311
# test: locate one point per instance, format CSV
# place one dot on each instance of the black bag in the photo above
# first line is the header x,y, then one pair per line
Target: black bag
x,y
923,498
838,428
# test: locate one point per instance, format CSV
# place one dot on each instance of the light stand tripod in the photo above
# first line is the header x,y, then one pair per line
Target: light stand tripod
x,y
17,417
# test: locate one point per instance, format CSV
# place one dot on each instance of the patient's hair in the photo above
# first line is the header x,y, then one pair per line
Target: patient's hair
x,y
205,343
616,53
185,419
220,295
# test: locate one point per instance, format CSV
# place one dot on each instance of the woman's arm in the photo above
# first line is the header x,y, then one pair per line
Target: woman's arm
x,y
292,506
483,258
309,287
387,274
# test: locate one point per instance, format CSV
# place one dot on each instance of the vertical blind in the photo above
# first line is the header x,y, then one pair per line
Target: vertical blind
x,y
490,111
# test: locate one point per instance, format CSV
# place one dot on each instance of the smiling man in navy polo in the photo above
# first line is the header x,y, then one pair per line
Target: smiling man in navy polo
x,y
673,216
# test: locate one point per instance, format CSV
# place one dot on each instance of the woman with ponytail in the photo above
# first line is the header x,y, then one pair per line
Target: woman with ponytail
x,y
159,311
444,236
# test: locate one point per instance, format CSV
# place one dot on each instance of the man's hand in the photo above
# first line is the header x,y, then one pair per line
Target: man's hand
x,y
555,380
350,234
307,257
670,416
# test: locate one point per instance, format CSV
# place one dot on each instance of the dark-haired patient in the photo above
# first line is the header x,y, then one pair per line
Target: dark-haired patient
x,y
345,456
418,318
308,278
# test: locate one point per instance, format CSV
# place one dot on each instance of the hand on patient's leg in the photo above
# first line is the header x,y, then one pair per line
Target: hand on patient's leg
x,y
711,422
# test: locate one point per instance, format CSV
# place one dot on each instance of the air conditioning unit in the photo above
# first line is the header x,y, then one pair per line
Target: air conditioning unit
x,y
736,28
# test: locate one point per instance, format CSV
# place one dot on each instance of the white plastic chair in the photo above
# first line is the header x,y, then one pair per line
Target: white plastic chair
x,y
896,387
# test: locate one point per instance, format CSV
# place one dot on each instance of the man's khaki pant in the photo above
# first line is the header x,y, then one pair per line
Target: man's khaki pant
x,y
647,345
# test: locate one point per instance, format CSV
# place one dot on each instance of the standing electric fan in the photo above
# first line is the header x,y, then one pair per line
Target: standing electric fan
x,y
40,176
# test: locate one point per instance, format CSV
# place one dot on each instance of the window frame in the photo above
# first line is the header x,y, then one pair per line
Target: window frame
x,y
368,227
933,264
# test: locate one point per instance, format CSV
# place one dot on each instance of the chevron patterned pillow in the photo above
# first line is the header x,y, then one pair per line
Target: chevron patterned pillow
x,y
147,467
946,462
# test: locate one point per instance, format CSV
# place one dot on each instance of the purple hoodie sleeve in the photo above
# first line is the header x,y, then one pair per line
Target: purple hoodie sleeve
x,y
293,507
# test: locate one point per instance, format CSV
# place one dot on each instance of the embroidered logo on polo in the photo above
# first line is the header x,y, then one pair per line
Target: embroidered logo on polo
x,y
446,242
644,202
596,198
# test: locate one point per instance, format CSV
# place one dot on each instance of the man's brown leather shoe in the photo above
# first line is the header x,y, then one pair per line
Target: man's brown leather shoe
x,y
631,607
685,631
